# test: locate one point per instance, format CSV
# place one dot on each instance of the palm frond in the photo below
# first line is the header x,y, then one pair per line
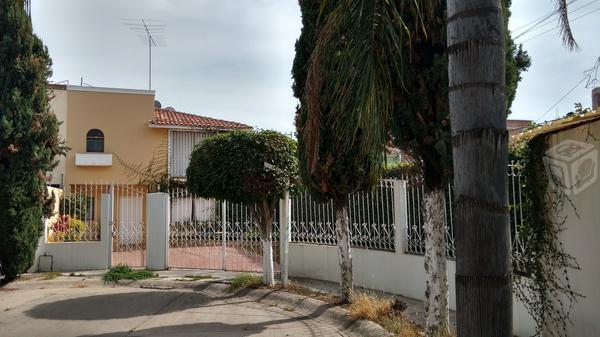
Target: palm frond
x,y
565,27
154,173
357,58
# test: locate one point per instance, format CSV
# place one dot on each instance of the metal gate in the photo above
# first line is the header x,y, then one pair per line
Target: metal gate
x,y
128,225
213,234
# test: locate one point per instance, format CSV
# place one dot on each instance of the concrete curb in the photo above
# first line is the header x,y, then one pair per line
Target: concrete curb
x,y
329,314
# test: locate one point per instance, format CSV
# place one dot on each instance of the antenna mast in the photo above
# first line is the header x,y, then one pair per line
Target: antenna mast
x,y
149,33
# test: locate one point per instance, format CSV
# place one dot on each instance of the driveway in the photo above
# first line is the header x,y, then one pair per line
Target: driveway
x,y
83,306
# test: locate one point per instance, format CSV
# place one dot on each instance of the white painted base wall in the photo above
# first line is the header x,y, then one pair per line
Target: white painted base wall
x,y
74,256
402,274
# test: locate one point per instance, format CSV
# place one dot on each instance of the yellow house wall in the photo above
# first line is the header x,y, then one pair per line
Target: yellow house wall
x,y
123,118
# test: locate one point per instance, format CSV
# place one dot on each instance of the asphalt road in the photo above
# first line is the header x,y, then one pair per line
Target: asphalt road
x,y
77,306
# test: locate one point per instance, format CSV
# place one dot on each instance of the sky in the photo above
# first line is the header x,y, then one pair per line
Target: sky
x,y
232,59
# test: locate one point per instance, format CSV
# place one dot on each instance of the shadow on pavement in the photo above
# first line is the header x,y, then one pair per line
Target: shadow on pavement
x,y
119,305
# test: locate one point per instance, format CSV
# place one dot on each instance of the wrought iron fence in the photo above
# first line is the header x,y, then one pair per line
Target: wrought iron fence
x,y
198,239
371,219
415,237
414,199
76,214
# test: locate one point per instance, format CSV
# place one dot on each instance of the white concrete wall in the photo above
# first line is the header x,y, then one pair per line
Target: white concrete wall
x,y
581,237
402,274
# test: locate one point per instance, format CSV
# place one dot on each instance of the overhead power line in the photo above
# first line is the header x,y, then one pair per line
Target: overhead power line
x,y
541,18
555,28
545,23
587,76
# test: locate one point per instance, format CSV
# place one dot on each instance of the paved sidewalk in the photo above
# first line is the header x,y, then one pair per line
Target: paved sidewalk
x,y
70,306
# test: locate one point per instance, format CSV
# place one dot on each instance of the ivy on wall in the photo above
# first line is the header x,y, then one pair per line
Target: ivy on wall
x,y
541,278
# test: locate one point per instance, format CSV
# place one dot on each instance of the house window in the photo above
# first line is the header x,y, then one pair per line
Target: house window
x,y
94,141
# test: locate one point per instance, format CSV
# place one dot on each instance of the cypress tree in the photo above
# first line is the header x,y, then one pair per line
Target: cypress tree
x,y
29,139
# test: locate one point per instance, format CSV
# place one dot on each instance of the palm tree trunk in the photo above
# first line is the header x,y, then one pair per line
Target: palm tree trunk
x,y
478,118
436,280
342,227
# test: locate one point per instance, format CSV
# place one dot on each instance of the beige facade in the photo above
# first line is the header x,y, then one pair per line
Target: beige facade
x,y
122,115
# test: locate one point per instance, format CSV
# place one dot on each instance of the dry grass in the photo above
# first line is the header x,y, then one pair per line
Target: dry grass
x,y
318,295
384,312
51,275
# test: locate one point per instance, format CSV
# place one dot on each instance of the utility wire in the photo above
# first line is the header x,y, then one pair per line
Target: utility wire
x,y
542,24
587,76
555,28
541,18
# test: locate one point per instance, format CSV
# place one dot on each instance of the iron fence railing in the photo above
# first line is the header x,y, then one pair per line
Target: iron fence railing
x,y
371,216
414,199
75,216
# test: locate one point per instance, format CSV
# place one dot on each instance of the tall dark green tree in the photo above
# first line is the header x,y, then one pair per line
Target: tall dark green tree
x,y
389,60
29,140
332,166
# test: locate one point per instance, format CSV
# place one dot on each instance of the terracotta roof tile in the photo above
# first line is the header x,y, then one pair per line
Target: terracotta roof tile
x,y
168,117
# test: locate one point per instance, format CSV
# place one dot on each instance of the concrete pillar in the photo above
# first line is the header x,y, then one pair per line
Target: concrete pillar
x,y
400,216
285,234
157,231
106,224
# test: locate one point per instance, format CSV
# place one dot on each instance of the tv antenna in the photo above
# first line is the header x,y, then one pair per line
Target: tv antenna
x,y
150,32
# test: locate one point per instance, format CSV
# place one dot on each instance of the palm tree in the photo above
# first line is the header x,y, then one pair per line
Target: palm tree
x,y
389,72
479,137
331,166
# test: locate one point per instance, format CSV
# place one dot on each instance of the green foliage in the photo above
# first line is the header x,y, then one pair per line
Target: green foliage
x,y
124,272
245,281
231,166
541,278
420,124
29,139
331,166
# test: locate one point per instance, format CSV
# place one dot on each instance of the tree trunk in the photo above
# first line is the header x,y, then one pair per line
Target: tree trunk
x,y
263,214
436,280
342,228
267,242
479,138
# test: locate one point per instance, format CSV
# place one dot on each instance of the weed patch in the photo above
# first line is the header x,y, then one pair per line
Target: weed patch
x,y
124,272
246,281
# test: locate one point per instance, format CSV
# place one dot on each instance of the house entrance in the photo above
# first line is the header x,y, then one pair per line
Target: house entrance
x,y
213,234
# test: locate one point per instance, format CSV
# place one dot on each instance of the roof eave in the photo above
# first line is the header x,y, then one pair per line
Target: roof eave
x,y
193,128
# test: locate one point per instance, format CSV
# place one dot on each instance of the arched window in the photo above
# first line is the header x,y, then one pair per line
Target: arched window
x,y
94,141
